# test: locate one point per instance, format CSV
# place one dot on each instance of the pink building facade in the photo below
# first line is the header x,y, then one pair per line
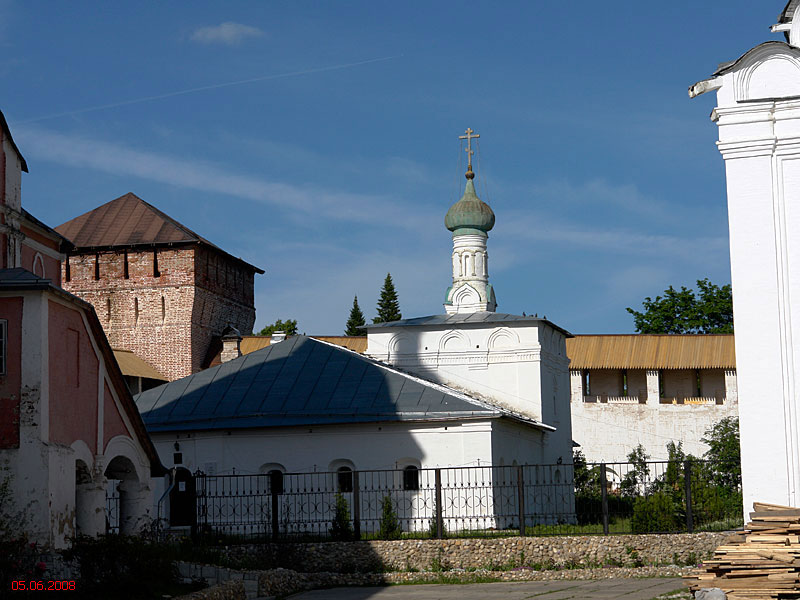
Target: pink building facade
x,y
68,424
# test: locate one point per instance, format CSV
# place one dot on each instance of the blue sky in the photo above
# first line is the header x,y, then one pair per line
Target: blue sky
x,y
333,155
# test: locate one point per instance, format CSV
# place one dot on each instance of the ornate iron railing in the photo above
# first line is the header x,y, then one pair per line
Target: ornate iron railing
x,y
112,506
467,501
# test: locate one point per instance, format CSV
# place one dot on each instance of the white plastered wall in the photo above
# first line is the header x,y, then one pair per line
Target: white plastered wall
x,y
758,115
519,367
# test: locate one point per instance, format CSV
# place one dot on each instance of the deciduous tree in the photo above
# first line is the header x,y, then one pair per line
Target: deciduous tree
x,y
289,327
683,311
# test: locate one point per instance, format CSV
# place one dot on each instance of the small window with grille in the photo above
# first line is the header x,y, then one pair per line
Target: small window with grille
x,y
411,478
344,476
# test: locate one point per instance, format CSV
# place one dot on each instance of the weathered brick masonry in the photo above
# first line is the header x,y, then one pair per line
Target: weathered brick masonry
x,y
167,317
163,295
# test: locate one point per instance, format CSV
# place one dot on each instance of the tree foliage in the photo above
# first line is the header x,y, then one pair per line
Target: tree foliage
x,y
356,320
710,310
341,527
289,327
390,528
388,305
724,452
634,482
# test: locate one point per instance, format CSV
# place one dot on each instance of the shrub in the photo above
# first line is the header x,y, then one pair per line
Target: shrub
x,y
390,526
19,558
432,525
130,566
655,513
341,528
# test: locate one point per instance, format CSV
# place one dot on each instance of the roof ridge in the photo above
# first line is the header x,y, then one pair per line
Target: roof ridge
x,y
96,228
437,386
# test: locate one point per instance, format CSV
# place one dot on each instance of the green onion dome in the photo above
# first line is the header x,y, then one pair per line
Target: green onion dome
x,y
470,215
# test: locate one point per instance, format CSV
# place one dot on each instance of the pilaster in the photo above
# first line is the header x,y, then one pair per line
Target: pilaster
x,y
731,388
576,385
653,391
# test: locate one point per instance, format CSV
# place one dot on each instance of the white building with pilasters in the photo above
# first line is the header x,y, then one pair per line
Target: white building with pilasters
x,y
758,115
515,362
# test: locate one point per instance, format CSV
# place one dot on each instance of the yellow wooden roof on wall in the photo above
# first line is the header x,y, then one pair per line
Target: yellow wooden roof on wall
x,y
133,366
251,343
645,351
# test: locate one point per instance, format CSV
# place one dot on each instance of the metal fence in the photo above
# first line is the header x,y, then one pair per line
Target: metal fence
x,y
112,506
468,501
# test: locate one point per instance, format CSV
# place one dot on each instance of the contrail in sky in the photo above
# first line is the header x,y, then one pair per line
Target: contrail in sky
x,y
204,88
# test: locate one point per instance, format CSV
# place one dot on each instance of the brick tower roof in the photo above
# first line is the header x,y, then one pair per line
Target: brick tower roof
x,y
127,222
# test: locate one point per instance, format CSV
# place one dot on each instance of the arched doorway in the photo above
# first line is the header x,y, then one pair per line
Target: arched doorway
x,y
183,500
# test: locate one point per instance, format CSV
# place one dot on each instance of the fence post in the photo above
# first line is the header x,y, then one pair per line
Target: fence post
x,y
274,490
604,496
200,506
438,504
687,484
356,507
521,500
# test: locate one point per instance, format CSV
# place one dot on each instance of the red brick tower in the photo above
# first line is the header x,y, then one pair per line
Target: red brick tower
x,y
160,290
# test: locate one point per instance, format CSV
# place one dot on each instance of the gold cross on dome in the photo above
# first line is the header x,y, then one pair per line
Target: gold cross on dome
x,y
469,137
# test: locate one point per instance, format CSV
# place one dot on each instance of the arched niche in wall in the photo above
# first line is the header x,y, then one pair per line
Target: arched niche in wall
x,y
343,474
275,472
454,341
768,72
401,344
503,338
410,474
466,294
38,265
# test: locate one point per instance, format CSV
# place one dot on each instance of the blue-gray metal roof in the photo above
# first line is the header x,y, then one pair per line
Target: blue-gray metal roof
x,y
462,318
302,381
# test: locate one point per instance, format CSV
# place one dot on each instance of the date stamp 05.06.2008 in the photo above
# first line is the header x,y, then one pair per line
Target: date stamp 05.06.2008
x,y
43,586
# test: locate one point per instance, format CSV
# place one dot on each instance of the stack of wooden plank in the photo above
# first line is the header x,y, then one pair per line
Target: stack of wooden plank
x,y
761,562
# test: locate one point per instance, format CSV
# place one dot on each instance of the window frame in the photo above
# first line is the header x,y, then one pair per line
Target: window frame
x,y
344,479
408,485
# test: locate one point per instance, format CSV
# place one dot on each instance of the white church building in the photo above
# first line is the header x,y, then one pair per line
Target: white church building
x,y
758,115
471,388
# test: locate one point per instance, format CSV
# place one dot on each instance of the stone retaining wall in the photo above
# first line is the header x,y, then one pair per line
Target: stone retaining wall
x,y
218,578
230,590
282,582
492,553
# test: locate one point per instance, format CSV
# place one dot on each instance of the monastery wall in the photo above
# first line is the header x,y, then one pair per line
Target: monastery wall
x,y
608,432
165,305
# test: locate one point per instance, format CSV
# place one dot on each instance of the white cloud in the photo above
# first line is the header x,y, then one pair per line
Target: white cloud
x,y
323,203
527,226
228,33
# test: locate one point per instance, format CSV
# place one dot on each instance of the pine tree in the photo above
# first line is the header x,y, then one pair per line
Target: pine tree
x,y
390,528
356,320
388,305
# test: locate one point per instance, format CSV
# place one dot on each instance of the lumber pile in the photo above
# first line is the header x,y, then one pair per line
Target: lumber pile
x,y
761,562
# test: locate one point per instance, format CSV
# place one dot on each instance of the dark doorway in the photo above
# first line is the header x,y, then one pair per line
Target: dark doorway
x,y
182,500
